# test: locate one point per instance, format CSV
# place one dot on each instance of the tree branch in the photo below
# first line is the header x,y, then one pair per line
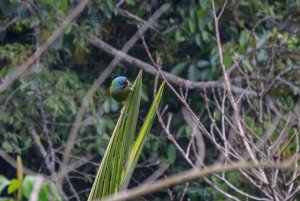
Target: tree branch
x,y
152,70
13,162
192,175
42,49
230,94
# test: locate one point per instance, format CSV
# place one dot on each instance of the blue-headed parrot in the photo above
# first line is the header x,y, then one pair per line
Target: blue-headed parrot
x,y
120,88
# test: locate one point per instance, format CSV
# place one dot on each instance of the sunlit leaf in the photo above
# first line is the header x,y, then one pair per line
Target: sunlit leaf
x,y
13,186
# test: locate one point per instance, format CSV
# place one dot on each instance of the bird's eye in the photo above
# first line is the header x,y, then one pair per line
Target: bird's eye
x,y
124,83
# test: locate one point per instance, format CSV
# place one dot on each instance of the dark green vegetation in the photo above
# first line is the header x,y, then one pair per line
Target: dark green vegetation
x,y
261,47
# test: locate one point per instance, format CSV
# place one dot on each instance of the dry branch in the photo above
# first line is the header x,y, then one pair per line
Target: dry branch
x,y
42,49
192,175
152,70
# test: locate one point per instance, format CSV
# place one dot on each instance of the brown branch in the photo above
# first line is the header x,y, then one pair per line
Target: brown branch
x,y
13,163
46,131
129,15
75,165
42,150
42,49
192,175
153,71
158,65
200,155
11,22
230,95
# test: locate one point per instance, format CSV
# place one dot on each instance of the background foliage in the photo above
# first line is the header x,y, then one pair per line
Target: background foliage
x,y
39,109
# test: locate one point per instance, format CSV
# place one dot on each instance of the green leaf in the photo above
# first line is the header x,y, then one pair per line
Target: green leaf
x,y
28,185
262,55
193,73
52,188
248,66
23,12
243,37
43,194
3,182
14,185
178,36
123,150
110,172
47,190
64,6
192,25
198,39
129,2
218,115
260,40
205,36
58,42
171,154
203,64
233,177
68,29
179,68
203,3
227,60
48,2
7,146
142,137
188,131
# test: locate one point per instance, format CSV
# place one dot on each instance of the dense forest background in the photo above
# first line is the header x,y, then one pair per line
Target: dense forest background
x,y
232,94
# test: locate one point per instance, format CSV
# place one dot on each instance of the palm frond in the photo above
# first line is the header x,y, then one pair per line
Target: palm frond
x,y
124,148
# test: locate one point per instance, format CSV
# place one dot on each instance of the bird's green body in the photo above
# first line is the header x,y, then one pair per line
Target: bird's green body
x,y
120,88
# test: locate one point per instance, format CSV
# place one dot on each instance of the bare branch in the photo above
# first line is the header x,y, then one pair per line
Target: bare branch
x,y
13,162
192,175
42,49
152,70
230,94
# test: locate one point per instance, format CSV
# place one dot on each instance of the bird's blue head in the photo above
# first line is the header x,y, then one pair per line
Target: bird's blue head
x,y
120,82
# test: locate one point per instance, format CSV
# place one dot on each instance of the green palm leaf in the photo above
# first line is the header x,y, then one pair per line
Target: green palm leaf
x,y
124,148
141,138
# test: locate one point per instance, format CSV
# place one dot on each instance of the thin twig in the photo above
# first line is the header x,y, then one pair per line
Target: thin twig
x,y
230,95
128,14
223,8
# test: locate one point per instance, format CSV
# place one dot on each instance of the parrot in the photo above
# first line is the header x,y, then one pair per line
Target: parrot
x,y
120,88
